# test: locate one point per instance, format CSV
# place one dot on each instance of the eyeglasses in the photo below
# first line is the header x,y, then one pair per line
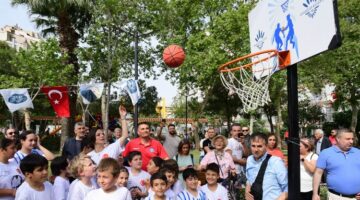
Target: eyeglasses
x,y
245,130
11,133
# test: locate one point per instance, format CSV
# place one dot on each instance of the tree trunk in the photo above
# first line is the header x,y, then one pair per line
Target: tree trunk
x,y
105,109
278,122
252,119
195,132
27,119
354,119
68,41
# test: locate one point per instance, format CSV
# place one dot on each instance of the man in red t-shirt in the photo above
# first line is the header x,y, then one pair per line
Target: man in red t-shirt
x,y
149,147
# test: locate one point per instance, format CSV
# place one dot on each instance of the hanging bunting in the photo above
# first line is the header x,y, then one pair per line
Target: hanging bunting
x,y
16,99
132,88
91,92
59,99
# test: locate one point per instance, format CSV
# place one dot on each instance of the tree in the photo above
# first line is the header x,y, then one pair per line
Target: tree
x,y
67,19
212,33
40,65
340,66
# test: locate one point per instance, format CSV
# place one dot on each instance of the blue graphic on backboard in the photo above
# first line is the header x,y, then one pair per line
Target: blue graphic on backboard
x,y
285,6
17,98
260,37
277,37
290,37
311,7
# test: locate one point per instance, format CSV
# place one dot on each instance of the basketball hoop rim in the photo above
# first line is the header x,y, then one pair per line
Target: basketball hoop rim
x,y
284,60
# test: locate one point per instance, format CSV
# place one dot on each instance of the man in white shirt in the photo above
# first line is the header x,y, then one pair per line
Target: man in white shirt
x,y
235,148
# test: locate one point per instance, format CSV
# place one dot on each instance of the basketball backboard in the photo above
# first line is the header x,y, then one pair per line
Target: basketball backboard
x,y
304,27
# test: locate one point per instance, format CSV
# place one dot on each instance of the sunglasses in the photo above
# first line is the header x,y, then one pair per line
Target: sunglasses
x,y
245,130
11,133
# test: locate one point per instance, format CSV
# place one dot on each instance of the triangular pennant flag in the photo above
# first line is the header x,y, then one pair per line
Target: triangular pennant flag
x,y
59,99
91,92
132,88
16,99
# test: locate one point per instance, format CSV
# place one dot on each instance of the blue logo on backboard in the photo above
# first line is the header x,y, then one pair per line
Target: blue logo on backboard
x,y
285,6
311,7
260,38
17,98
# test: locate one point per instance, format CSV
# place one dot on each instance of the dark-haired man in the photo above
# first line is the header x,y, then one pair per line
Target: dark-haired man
x,y
341,161
170,140
275,181
149,147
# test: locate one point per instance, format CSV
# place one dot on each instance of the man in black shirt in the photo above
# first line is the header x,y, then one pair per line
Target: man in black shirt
x,y
207,143
72,146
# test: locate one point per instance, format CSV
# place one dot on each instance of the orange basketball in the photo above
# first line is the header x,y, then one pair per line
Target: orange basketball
x,y
173,56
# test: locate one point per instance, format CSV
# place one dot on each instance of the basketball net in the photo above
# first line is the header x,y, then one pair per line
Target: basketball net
x,y
249,77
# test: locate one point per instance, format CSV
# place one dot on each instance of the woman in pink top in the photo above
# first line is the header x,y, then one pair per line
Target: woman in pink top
x,y
220,157
333,136
272,148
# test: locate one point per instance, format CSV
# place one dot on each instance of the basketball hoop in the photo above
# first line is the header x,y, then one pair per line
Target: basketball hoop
x,y
249,76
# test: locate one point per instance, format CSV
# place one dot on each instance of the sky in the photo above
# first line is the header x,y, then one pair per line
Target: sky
x,y
19,16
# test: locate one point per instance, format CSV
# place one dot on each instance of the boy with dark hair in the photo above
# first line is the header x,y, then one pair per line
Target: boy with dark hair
x,y
35,187
213,189
192,183
137,176
61,184
158,184
108,172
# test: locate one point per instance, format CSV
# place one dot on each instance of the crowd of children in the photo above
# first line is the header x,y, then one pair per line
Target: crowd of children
x,y
107,180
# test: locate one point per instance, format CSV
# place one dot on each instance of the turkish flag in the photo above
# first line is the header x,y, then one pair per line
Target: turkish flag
x,y
59,99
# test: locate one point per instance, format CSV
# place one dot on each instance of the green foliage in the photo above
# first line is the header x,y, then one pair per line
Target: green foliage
x,y
212,33
339,66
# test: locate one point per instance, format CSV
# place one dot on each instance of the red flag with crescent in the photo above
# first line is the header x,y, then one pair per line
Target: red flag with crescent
x,y
59,99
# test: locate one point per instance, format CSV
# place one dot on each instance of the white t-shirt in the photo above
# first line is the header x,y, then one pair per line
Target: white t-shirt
x,y
219,194
78,190
152,197
306,178
120,193
237,151
19,155
25,192
137,181
61,188
113,151
169,193
10,177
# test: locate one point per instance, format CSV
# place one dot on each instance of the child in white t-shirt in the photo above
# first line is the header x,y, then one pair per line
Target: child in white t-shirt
x,y
61,183
10,174
138,179
213,189
83,168
35,187
159,184
108,173
123,178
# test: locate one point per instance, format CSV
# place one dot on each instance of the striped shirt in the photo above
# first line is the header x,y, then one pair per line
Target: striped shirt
x,y
185,195
20,155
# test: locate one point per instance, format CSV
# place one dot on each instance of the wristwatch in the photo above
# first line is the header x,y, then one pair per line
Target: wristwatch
x,y
302,159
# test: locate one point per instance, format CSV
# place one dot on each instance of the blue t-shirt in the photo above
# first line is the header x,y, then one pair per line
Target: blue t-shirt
x,y
342,169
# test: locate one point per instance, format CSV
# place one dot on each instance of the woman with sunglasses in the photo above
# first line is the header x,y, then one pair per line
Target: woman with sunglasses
x,y
307,168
